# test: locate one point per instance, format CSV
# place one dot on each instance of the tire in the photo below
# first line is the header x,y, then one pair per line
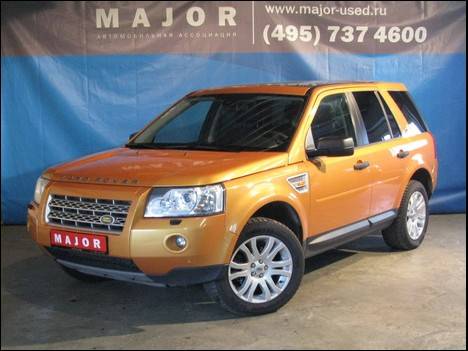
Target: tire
x,y
269,236
398,236
83,277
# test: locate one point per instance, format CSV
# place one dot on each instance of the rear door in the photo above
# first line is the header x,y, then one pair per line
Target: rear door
x,y
386,153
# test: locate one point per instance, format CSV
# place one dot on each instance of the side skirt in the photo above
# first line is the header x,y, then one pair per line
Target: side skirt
x,y
330,240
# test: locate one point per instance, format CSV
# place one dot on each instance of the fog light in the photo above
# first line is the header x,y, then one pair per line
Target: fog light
x,y
180,242
176,243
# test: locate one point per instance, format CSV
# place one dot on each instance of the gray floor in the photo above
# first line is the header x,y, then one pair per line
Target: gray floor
x,y
361,296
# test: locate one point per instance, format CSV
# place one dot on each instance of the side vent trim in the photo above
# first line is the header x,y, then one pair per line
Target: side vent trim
x,y
300,182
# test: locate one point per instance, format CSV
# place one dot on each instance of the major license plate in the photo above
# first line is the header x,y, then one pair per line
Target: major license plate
x,y
89,242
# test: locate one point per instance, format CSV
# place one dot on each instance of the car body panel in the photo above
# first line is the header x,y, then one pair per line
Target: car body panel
x,y
267,187
129,167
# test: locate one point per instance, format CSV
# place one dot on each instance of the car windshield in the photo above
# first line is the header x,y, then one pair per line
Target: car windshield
x,y
225,123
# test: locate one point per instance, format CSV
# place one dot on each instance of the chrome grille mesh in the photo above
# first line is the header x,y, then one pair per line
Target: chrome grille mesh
x,y
82,212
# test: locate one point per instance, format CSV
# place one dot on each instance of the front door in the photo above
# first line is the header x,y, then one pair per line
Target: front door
x,y
340,187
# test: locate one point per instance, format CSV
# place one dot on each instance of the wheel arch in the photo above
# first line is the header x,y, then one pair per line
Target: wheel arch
x,y
279,208
423,176
284,213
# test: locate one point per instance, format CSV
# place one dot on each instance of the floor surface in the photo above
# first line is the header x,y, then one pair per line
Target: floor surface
x,y
362,296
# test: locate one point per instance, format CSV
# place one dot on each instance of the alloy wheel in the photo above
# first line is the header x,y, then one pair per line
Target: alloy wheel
x,y
260,269
416,215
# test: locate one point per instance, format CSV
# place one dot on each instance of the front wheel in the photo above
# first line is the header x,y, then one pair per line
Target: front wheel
x,y
265,270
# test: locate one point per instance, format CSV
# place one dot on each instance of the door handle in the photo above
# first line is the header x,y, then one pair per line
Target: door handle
x,y
403,154
361,165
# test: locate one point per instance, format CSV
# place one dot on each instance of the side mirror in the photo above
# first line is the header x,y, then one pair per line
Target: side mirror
x,y
333,147
130,137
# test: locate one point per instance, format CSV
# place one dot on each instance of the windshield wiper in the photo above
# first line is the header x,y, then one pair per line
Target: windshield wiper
x,y
227,147
193,146
157,146
140,146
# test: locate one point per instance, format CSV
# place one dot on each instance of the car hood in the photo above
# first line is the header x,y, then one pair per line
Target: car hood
x,y
144,167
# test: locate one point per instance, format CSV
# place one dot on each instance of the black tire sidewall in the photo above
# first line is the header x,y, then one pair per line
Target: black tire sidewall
x,y
282,233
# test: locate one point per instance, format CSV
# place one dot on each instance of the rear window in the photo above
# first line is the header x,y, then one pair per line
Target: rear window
x,y
409,110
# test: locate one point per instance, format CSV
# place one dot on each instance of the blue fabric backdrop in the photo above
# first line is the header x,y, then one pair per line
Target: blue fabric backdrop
x,y
57,108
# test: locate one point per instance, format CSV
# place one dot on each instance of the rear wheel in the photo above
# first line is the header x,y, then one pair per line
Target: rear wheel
x,y
409,229
264,272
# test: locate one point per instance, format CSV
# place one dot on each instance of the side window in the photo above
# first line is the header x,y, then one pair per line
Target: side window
x,y
391,119
373,117
333,119
409,110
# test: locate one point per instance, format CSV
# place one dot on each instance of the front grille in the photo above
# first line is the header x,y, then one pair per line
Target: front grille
x,y
93,259
82,212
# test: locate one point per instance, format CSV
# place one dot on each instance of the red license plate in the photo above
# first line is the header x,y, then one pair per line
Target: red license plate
x,y
89,242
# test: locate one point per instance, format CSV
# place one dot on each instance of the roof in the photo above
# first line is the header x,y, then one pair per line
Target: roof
x,y
290,88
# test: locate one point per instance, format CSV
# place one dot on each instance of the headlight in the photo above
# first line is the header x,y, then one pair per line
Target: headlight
x,y
40,186
185,202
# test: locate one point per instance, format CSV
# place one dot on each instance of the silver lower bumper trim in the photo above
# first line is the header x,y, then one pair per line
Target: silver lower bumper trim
x,y
131,277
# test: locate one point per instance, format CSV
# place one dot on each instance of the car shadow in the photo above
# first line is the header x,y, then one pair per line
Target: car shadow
x,y
40,289
344,255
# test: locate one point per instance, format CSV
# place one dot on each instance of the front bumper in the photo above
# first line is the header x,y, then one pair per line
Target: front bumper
x,y
143,242
177,277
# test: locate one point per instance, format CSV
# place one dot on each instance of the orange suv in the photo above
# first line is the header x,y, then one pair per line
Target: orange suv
x,y
234,187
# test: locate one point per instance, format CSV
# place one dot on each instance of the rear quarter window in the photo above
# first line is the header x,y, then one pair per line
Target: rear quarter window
x,y
391,119
409,110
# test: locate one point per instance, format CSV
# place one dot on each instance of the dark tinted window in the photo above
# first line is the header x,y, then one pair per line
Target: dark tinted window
x,y
226,122
333,119
391,119
409,110
186,128
373,116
